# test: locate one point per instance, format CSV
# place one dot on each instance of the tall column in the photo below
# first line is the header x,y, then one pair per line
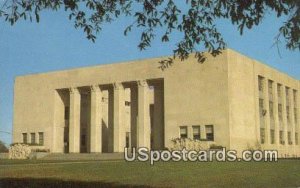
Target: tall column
x,y
119,123
74,126
276,118
133,115
267,115
96,120
59,125
257,109
158,115
143,115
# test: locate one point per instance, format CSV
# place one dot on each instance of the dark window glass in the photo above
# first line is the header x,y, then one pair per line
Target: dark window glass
x,y
290,138
262,135
260,83
272,136
183,132
41,138
281,138
24,138
196,132
209,132
32,135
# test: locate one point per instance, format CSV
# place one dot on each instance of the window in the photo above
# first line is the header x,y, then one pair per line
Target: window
x,y
280,111
262,135
271,109
24,138
288,113
281,137
209,129
261,107
279,90
295,115
196,132
287,96
272,136
67,112
41,138
127,139
270,89
295,97
183,132
290,138
260,83
296,139
32,135
127,103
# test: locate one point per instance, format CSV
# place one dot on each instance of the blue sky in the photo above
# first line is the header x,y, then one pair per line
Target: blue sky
x,y
54,44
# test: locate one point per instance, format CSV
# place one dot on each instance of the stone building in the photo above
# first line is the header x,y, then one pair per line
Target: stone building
x,y
230,100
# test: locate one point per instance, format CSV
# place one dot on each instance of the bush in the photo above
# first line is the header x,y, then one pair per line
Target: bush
x,y
214,146
19,151
189,144
13,144
256,146
29,144
40,150
3,148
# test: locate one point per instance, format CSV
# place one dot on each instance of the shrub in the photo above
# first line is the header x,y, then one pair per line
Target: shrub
x,y
256,146
188,144
40,150
214,146
3,148
19,151
29,144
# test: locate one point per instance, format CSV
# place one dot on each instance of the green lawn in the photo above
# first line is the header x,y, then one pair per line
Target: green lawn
x,y
284,173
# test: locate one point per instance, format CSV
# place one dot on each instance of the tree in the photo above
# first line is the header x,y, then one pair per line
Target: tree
x,y
196,23
3,148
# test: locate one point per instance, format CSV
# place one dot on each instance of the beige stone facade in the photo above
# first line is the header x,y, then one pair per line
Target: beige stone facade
x,y
230,100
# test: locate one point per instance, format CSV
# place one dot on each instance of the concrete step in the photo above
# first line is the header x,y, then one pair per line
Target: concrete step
x,y
84,156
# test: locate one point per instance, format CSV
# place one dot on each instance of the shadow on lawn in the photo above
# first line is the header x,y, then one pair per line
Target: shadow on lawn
x,y
57,183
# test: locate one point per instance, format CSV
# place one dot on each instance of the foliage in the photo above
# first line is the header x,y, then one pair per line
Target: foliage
x,y
256,146
19,151
214,146
3,148
29,144
189,144
40,150
196,22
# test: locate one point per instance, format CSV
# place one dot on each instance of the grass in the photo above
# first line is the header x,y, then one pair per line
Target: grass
x,y
284,173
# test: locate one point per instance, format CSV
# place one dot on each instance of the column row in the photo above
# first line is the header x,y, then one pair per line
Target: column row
x,y
140,117
278,109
